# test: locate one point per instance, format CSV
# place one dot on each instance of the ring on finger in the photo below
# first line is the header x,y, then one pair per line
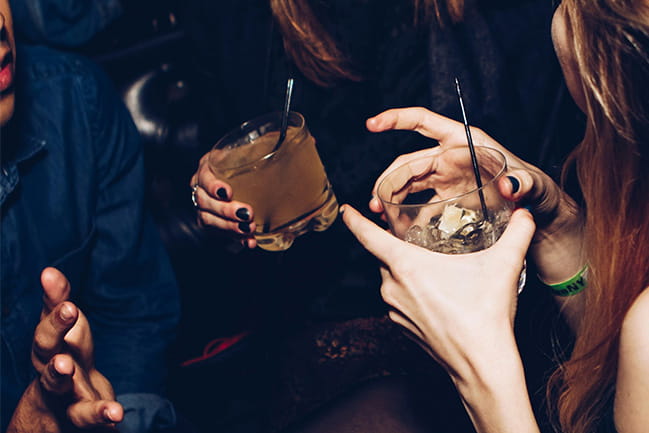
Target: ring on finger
x,y
194,189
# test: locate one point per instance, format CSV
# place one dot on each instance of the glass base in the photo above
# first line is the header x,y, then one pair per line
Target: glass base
x,y
317,221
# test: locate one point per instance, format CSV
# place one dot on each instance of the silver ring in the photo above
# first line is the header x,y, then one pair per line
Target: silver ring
x,y
194,189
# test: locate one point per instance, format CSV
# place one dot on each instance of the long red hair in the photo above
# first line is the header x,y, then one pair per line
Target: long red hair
x,y
611,47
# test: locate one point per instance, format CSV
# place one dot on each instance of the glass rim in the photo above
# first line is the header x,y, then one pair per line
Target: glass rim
x,y
496,176
301,123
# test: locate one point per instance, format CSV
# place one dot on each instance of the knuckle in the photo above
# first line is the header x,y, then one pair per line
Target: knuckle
x,y
41,343
387,293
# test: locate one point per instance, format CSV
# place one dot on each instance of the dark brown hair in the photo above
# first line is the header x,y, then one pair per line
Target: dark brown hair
x,y
314,50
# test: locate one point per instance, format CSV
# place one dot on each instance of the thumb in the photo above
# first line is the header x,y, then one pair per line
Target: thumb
x,y
518,234
375,239
56,288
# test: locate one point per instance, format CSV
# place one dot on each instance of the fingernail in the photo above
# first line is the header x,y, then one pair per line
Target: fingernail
x,y
244,227
66,313
222,193
107,415
341,210
515,184
243,214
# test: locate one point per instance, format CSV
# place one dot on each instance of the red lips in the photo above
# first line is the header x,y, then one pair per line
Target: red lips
x,y
6,71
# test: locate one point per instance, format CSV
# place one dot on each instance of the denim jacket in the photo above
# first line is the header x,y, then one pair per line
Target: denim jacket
x,y
62,23
71,189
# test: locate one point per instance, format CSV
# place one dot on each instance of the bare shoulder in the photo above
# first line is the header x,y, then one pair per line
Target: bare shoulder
x,y
635,328
632,387
639,312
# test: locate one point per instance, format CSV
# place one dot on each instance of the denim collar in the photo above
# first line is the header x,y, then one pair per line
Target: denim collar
x,y
27,148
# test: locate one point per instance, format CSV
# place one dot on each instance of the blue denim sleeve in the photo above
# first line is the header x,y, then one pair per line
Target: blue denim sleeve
x,y
146,413
131,297
62,23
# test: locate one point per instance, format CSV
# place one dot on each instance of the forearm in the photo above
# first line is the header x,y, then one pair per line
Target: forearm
x,y
495,395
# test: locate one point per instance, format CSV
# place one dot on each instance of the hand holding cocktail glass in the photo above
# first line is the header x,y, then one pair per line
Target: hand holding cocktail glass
x,y
434,201
273,165
455,305
277,194
449,201
551,207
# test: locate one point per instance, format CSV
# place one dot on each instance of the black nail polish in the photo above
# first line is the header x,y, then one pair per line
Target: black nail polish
x,y
222,193
243,214
244,227
515,184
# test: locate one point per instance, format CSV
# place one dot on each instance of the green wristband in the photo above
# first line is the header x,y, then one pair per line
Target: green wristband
x,y
571,286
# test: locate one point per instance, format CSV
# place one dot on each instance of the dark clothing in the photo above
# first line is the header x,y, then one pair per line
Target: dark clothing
x,y
72,191
62,23
502,54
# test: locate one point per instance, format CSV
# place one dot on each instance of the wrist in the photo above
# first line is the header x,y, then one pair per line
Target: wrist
x,y
32,412
563,220
557,249
480,362
494,393
571,286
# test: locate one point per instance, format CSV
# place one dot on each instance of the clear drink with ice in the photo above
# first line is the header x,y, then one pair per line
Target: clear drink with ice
x,y
434,201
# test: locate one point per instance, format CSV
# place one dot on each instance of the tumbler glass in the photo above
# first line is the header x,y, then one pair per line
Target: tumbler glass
x,y
287,186
434,201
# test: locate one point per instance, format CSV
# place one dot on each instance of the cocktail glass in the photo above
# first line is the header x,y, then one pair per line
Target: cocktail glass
x,y
434,201
287,187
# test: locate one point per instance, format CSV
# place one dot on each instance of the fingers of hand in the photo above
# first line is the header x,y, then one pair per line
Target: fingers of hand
x,y
217,212
517,236
376,240
57,377
211,186
64,376
51,331
233,216
375,205
536,190
79,341
56,288
206,200
518,185
93,413
250,242
418,119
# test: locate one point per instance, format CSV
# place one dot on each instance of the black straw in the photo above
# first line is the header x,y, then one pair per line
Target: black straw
x,y
285,112
474,160
282,130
